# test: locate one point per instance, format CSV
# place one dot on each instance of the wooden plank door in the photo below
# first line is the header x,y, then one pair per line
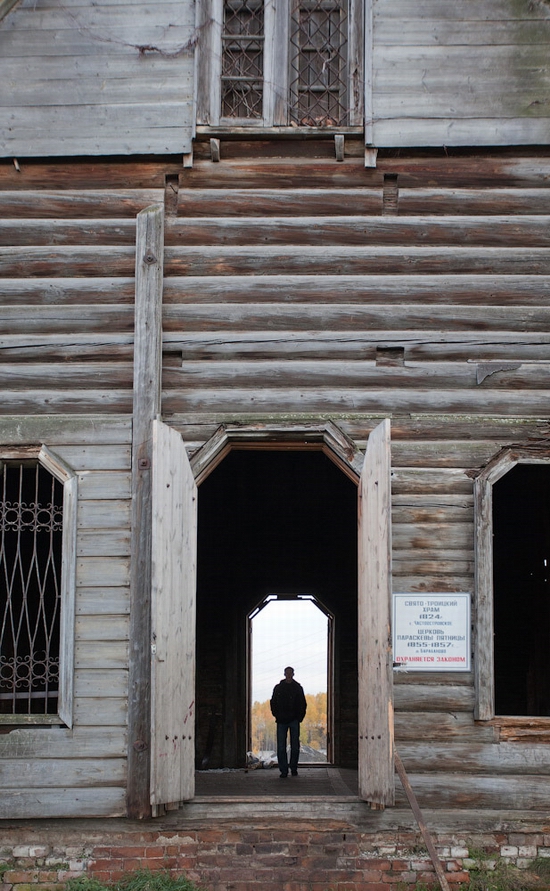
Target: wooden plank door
x,y
174,500
375,718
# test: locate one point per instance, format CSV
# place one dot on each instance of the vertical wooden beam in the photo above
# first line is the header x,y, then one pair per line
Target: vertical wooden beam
x,y
369,111
147,384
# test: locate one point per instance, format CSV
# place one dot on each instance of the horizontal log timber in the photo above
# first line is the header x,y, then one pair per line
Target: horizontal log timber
x,y
433,697
102,513
67,260
432,568
461,11
436,584
78,374
422,200
105,486
100,682
429,508
103,601
528,230
419,344
25,347
59,742
440,726
109,543
391,288
56,319
102,627
500,759
81,203
274,202
64,801
273,317
461,790
77,772
99,430
444,32
282,173
353,373
22,232
65,401
323,400
21,291
101,654
221,260
448,537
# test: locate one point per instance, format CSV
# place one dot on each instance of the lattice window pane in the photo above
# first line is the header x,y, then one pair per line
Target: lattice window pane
x,y
318,77
31,528
242,59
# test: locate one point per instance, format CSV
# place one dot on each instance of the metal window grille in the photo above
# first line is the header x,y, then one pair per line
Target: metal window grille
x,y
318,67
31,521
242,59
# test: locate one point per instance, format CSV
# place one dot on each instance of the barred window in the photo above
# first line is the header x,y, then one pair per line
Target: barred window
x,y
31,515
272,63
38,502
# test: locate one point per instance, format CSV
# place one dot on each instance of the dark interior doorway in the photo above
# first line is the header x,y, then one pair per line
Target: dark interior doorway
x,y
521,555
268,521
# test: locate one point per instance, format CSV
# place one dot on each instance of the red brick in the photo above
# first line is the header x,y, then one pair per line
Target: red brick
x,y
458,877
19,876
130,851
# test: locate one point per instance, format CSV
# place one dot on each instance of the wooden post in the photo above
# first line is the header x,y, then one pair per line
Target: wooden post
x,y
147,383
438,866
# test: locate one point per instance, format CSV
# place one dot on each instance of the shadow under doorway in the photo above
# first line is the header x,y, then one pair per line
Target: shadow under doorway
x,y
271,520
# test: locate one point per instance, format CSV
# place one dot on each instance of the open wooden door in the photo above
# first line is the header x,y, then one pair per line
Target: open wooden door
x,y
174,506
375,718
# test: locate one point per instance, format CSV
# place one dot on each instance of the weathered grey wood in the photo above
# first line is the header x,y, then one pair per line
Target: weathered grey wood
x,y
102,627
487,201
212,202
173,603
47,203
81,429
49,401
518,402
103,601
430,697
101,655
441,726
59,742
100,456
64,802
496,759
451,790
429,508
28,291
529,230
79,773
147,372
99,712
434,289
97,682
102,572
106,486
59,346
348,343
23,232
353,373
103,514
54,319
375,711
318,260
34,375
449,130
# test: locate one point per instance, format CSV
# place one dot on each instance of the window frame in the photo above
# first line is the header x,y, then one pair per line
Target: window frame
x,y
208,65
61,471
484,662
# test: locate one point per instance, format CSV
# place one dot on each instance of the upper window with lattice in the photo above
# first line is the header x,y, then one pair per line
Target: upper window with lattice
x,y
37,507
292,63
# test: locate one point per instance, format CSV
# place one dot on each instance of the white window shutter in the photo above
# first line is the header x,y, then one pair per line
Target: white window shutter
x,y
173,593
375,719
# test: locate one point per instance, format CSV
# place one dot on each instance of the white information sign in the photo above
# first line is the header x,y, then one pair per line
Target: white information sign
x,y
431,632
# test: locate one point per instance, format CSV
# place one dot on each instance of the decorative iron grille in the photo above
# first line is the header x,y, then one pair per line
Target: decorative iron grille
x,y
318,66
31,528
242,59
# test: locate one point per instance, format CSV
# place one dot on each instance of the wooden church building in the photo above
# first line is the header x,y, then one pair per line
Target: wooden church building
x,y
274,321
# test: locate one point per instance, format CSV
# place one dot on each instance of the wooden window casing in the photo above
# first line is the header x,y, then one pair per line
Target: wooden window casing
x,y
484,662
257,67
59,658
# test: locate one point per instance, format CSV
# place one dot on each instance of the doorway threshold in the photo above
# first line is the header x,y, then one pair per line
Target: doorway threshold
x,y
325,782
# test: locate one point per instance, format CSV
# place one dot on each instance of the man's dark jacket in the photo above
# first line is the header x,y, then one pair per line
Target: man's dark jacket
x,y
288,702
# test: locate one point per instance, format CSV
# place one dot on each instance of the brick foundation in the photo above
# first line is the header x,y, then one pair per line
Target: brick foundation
x,y
295,856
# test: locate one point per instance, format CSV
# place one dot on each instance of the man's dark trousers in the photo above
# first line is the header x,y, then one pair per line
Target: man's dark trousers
x,y
282,759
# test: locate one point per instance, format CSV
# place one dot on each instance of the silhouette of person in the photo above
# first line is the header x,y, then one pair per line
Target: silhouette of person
x,y
288,707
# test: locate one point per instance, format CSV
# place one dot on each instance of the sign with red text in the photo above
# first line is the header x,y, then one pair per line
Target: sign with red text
x,y
431,632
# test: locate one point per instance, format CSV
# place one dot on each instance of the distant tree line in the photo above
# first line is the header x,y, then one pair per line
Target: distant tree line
x,y
313,730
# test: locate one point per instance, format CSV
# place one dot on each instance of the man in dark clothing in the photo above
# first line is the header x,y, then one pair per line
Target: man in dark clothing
x,y
288,707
